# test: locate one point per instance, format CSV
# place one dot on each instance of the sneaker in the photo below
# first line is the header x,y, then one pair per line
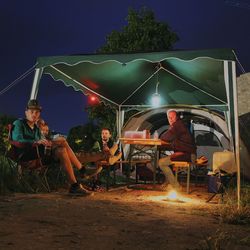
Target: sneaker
x,y
78,189
113,149
113,159
90,172
98,188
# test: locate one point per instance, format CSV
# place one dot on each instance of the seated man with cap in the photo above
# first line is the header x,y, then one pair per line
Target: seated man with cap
x,y
27,132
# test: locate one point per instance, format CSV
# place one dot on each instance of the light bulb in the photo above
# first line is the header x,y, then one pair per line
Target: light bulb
x,y
156,100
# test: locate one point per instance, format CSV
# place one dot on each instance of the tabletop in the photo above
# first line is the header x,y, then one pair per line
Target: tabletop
x,y
141,141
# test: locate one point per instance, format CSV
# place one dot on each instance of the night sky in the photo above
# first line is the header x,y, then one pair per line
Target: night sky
x,y
30,29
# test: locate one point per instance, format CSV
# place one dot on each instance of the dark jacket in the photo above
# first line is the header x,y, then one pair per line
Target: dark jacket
x,y
22,132
180,138
98,146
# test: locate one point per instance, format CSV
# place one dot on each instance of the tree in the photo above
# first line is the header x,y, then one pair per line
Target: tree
x,y
4,121
142,34
83,137
103,116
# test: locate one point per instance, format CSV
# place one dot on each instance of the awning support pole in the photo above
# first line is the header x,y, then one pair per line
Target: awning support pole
x,y
36,81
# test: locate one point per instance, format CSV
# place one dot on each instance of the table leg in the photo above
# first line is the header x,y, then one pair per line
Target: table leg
x,y
156,159
128,172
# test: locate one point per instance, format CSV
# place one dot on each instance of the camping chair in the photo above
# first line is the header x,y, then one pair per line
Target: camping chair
x,y
187,166
224,171
31,175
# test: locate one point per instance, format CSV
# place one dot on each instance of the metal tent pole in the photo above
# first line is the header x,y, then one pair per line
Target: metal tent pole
x,y
236,122
36,81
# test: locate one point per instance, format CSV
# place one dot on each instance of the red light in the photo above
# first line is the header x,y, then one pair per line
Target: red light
x,y
92,100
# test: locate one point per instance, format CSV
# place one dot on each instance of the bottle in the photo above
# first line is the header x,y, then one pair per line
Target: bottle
x,y
156,135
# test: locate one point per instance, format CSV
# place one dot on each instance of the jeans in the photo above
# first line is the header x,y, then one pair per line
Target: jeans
x,y
167,171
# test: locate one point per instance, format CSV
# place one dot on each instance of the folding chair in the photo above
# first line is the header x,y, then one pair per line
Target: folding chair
x,y
31,176
218,184
224,171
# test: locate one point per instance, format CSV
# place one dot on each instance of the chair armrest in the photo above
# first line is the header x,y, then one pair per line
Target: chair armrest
x,y
21,144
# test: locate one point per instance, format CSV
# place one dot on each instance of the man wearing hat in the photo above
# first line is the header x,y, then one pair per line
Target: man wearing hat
x,y
26,132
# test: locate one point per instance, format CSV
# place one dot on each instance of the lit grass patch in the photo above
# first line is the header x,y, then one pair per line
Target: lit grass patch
x,y
231,214
218,241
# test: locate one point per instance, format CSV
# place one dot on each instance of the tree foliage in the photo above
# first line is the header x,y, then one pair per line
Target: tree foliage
x,y
103,116
142,34
4,121
83,137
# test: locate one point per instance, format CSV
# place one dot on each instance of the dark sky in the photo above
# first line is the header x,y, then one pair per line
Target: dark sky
x,y
30,29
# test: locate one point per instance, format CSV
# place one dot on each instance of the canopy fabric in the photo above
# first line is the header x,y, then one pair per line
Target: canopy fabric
x,y
204,78
185,77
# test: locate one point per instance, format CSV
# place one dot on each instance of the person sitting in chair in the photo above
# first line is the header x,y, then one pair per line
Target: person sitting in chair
x,y
106,144
181,142
26,132
57,140
84,157
103,149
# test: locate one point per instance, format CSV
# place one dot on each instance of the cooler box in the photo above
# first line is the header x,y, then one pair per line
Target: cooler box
x,y
137,134
214,183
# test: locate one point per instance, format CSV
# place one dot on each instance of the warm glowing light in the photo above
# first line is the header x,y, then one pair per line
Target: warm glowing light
x,y
156,100
172,195
176,197
93,100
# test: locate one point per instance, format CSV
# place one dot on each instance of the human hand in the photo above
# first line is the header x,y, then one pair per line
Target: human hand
x,y
105,147
45,142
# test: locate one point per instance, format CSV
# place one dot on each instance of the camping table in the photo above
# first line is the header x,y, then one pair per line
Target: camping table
x,y
138,146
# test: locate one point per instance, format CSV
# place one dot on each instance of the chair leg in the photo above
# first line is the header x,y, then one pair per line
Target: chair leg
x,y
107,178
114,174
34,180
188,180
211,197
45,182
136,175
188,177
221,191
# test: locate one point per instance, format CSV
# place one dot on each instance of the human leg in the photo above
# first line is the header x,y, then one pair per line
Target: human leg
x,y
61,142
113,149
62,154
87,157
164,164
114,158
81,159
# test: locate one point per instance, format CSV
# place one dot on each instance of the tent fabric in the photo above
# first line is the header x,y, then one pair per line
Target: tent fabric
x,y
219,54
201,78
185,77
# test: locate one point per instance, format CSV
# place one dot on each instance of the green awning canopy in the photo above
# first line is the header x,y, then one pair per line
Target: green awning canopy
x,y
204,78
185,77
